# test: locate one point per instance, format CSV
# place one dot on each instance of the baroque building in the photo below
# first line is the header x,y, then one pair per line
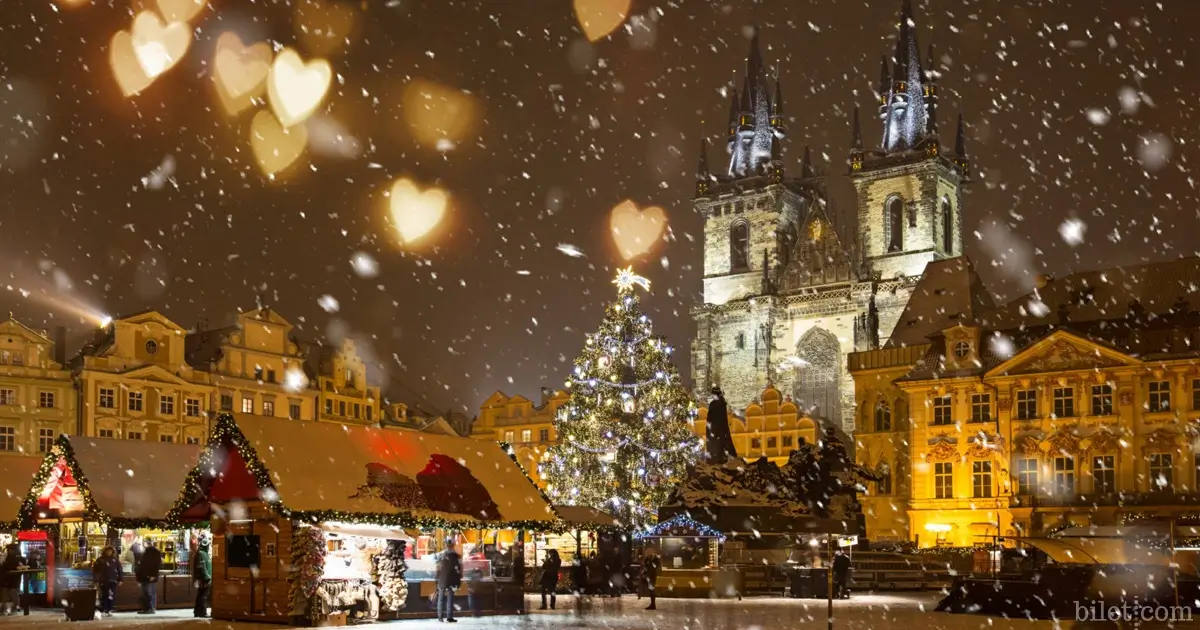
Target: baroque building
x,y
1075,405
516,421
37,395
792,287
341,378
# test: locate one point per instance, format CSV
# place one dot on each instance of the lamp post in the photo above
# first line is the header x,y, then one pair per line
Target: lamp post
x,y
829,586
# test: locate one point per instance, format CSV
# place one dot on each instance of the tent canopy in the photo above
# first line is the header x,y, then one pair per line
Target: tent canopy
x,y
319,467
15,473
131,479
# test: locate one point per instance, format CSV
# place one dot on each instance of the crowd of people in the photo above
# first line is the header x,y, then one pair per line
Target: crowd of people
x,y
146,561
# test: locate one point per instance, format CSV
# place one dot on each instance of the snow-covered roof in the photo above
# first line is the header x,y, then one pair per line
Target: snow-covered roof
x,y
368,470
949,292
132,479
15,474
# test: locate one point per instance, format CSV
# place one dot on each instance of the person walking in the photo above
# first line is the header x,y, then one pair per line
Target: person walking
x,y
449,577
10,580
549,583
841,574
202,574
146,574
650,567
108,574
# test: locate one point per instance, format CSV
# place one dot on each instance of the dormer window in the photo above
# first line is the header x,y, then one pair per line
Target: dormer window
x,y
961,350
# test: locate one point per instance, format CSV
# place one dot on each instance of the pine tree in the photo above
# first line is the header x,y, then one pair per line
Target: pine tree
x,y
624,435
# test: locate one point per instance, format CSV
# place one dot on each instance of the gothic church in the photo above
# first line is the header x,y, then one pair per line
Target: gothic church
x,y
786,297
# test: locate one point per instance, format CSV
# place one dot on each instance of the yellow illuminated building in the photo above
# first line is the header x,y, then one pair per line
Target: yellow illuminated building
x,y
771,426
341,378
1076,405
135,383
515,420
256,367
37,397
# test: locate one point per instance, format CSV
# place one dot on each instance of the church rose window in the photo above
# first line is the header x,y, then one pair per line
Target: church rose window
x,y
739,245
816,386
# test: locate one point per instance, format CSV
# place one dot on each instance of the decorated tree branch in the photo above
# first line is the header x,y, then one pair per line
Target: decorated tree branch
x,y
624,433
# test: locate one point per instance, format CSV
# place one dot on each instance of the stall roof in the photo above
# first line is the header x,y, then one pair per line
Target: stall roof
x,y
132,479
321,467
1097,550
583,516
15,473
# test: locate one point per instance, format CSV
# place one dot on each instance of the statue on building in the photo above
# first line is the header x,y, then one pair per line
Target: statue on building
x,y
719,438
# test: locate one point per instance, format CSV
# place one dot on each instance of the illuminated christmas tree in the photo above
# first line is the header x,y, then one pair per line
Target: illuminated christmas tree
x,y
624,434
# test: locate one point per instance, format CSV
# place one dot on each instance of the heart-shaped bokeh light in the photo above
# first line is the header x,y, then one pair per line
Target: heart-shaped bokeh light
x,y
635,231
416,212
275,147
240,72
158,46
296,88
598,18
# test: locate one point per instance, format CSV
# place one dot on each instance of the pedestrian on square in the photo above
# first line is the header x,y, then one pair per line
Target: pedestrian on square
x,y
108,573
147,576
650,568
10,581
841,575
549,582
449,578
202,574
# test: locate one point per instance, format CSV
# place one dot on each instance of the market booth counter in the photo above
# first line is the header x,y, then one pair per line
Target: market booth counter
x,y
315,523
91,493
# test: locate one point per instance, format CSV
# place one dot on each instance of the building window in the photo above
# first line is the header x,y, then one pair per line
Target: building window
x,y
191,439
947,226
108,398
1160,396
166,438
981,407
816,387
1027,476
8,396
981,479
46,440
1064,476
135,401
269,408
1102,400
5,357
1196,394
357,410
258,374
526,435
883,416
166,406
740,341
941,410
8,438
247,405
772,443
294,411
368,409
1026,404
18,358
787,441
328,406
46,400
191,407
349,378
226,402
1196,466
884,485
270,376
961,350
1064,402
893,224
543,435
943,480
739,245
107,433
1104,474
508,437
342,408
1162,474
133,435
151,347
755,444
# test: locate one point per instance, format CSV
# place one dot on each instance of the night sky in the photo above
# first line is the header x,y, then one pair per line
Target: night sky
x,y
1079,109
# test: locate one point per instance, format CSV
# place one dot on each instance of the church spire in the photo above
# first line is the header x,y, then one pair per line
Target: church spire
x,y
806,170
931,89
961,159
856,143
703,175
759,123
904,112
885,81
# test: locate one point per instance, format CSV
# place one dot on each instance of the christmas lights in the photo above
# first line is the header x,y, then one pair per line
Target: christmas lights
x,y
682,526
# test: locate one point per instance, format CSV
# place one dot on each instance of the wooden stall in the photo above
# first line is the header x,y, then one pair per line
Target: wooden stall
x,y
89,493
311,520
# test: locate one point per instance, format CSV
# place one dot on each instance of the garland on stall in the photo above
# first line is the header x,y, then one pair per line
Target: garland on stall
x,y
304,576
682,525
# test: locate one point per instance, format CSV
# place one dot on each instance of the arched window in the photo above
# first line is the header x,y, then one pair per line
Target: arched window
x,y
947,226
816,387
894,224
739,245
884,485
883,416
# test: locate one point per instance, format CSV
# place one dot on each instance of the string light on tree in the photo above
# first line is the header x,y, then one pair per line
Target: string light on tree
x,y
625,432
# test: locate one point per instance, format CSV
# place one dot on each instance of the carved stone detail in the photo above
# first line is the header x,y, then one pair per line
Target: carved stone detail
x,y
1063,442
1064,356
942,452
1101,442
1029,446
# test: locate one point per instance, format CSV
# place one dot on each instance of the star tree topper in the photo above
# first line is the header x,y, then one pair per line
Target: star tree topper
x,y
626,280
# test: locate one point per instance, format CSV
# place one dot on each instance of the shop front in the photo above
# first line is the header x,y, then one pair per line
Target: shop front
x,y
89,494
15,473
323,524
690,553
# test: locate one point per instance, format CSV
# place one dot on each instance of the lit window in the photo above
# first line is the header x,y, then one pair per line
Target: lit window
x,y
1027,476
166,406
981,407
192,407
1102,400
1064,402
8,396
508,437
108,398
1026,404
1104,474
1162,473
943,480
46,400
247,405
941,410
1160,396
981,479
883,416
526,435
269,408
135,401
1064,476
8,438
46,440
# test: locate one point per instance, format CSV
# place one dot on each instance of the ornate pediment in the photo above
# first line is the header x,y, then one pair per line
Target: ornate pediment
x,y
1062,442
1062,355
942,452
1100,442
1029,446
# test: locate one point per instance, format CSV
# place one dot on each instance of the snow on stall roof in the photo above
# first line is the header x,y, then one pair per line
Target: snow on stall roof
x,y
324,466
16,471
131,478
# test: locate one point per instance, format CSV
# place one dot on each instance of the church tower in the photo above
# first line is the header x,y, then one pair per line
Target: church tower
x,y
909,191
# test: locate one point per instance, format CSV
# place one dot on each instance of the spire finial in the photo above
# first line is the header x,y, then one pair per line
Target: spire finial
x,y
960,139
856,141
806,170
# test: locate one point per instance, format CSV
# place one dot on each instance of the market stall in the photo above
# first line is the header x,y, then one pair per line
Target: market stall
x,y
587,533
15,473
90,493
690,552
363,515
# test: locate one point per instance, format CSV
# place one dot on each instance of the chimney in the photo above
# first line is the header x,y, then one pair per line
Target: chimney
x,y
546,396
60,345
1043,279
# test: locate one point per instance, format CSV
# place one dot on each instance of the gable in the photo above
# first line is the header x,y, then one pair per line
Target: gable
x,y
1062,352
156,374
17,329
265,316
496,399
152,317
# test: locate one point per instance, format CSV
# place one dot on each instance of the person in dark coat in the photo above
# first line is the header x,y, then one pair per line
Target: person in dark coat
x,y
718,437
449,577
202,574
549,583
10,582
650,568
146,574
108,573
841,574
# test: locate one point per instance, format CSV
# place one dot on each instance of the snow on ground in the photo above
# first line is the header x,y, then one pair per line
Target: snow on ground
x,y
867,612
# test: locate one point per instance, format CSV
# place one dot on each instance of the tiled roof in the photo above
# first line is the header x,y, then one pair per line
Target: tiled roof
x,y
949,292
